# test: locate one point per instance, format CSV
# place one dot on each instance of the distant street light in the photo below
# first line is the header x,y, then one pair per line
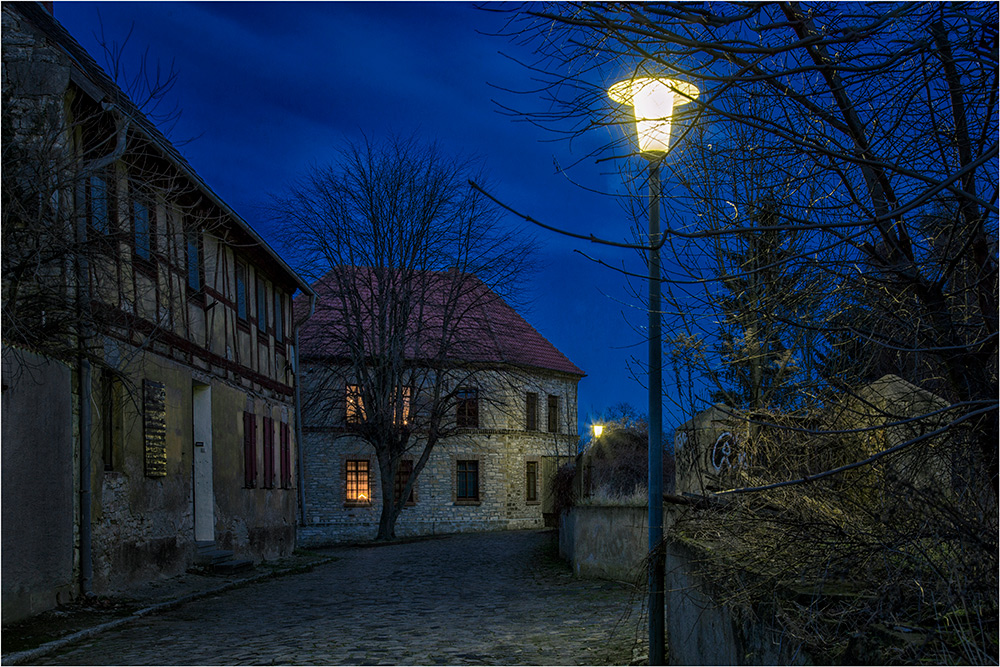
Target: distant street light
x,y
653,100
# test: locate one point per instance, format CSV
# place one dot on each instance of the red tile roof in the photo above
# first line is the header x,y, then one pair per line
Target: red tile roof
x,y
482,326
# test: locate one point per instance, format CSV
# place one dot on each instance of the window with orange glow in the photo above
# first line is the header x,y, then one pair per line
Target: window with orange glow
x,y
357,485
355,405
405,418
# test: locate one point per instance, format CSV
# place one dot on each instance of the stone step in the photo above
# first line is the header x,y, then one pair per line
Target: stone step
x,y
211,559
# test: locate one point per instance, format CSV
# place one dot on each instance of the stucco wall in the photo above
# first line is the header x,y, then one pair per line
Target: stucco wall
x,y
604,542
37,470
611,543
144,526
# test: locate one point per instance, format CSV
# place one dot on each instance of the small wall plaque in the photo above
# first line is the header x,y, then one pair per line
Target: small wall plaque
x,y
154,428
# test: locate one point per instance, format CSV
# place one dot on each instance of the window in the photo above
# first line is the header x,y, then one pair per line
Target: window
x,y
286,456
261,305
110,418
249,450
194,259
357,487
468,408
467,480
241,291
268,482
405,417
279,317
142,228
531,482
402,477
97,202
531,412
553,414
355,409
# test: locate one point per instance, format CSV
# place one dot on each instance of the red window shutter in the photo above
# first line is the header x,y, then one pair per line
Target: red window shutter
x,y
249,450
268,453
286,457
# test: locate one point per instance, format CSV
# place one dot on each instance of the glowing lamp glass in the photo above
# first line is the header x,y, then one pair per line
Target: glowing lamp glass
x,y
653,101
598,430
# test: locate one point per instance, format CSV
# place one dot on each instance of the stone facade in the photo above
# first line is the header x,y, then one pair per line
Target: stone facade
x,y
503,448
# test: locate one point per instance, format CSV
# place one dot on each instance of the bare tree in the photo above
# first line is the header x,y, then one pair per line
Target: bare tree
x,y
64,225
877,126
410,265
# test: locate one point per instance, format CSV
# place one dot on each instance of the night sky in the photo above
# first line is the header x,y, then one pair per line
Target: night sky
x,y
268,90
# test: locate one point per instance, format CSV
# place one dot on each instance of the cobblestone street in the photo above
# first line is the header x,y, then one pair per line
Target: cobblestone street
x,y
487,598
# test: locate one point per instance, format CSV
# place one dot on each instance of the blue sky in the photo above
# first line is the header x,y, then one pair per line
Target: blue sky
x,y
268,90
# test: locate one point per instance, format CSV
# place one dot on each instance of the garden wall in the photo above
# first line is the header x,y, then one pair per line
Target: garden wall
x,y
611,543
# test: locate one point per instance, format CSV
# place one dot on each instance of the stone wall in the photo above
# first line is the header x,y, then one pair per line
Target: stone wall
x,y
611,543
503,448
38,472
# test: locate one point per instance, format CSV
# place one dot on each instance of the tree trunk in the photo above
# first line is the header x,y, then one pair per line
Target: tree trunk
x,y
387,520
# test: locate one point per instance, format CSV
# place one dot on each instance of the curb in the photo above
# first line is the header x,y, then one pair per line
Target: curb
x,y
29,655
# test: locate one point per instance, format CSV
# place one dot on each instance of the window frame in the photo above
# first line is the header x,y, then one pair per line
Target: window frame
x,y
149,247
107,228
193,241
268,444
357,501
467,407
354,411
553,414
240,297
249,450
261,305
531,479
531,411
279,316
471,471
399,482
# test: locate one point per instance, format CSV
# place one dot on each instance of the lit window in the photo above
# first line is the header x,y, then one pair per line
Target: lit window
x,y
355,412
405,418
356,485
468,408
467,482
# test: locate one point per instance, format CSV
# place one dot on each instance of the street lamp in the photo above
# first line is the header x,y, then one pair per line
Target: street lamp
x,y
598,430
653,100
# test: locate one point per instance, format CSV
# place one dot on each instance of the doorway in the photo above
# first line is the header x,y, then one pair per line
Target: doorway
x,y
204,496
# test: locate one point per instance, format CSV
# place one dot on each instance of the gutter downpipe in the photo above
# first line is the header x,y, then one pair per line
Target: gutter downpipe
x,y
86,380
299,449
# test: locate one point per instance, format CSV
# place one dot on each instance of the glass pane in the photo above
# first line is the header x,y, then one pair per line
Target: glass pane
x,y
141,218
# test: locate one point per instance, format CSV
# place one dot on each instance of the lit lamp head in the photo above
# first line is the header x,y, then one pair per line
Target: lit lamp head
x,y
653,100
598,429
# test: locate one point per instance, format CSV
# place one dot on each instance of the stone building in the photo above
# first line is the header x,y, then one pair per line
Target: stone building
x,y
148,358
513,422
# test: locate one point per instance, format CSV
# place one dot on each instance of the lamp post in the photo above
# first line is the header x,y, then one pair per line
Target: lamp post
x,y
653,100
